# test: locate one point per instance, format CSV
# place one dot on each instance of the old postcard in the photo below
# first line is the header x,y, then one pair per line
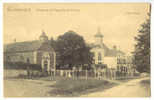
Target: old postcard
x,y
76,49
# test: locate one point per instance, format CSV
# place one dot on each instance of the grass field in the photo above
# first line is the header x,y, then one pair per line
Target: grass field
x,y
12,73
59,87
77,87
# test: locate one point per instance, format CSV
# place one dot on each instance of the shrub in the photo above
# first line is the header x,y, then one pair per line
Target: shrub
x,y
21,65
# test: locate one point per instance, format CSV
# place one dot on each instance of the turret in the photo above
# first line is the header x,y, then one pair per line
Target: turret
x,y
43,38
99,37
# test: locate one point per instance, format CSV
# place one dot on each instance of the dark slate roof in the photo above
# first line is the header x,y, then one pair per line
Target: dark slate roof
x,y
46,46
23,46
113,53
108,52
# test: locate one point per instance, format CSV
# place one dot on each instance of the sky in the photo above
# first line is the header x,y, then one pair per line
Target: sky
x,y
119,22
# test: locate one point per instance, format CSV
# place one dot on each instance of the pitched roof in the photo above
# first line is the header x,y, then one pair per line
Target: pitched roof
x,y
92,45
113,53
108,52
22,46
46,46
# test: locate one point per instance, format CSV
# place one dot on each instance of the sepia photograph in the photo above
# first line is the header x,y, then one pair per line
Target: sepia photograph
x,y
76,50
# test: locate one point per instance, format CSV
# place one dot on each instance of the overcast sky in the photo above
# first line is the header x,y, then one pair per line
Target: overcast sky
x,y
118,22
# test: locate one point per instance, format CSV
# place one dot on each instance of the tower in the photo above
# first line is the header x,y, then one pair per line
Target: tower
x,y
43,38
98,37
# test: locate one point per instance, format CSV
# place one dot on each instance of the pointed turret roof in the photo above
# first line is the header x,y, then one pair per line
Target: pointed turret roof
x,y
43,34
98,34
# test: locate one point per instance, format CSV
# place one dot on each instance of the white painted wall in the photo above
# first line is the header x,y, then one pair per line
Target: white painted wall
x,y
35,57
98,40
111,62
96,51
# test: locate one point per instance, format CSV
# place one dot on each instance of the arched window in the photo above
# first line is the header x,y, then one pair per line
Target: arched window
x,y
99,56
8,58
118,67
93,55
46,55
28,61
21,58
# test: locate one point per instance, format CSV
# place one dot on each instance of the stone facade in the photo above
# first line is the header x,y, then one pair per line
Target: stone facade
x,y
19,57
32,51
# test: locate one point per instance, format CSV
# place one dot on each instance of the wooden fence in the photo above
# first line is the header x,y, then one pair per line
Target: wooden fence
x,y
88,74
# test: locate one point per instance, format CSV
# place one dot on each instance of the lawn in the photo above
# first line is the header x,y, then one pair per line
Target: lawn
x,y
13,73
74,88
147,81
62,87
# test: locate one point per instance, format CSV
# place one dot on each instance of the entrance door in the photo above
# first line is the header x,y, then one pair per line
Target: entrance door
x,y
45,65
46,62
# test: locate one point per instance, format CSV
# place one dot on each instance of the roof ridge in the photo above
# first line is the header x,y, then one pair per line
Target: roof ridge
x,y
22,46
22,42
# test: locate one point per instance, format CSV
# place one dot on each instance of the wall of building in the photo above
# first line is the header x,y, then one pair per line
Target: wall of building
x,y
98,40
19,57
39,57
96,52
51,58
111,62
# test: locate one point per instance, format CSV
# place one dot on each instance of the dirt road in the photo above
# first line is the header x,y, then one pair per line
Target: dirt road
x,y
132,88
40,88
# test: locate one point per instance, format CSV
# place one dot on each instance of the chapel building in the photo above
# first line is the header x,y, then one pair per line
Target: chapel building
x,y
37,52
105,55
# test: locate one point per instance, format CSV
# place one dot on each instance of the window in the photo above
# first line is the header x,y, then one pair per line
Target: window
x,y
28,61
46,55
21,58
118,61
93,54
118,67
99,63
99,57
8,58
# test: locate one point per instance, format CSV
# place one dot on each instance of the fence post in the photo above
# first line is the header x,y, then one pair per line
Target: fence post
x,y
95,74
86,74
73,74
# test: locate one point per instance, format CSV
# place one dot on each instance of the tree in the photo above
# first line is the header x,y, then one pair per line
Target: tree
x,y
72,50
142,48
53,43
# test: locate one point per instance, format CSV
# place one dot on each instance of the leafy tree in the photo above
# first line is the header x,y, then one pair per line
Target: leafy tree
x,y
72,50
53,43
142,48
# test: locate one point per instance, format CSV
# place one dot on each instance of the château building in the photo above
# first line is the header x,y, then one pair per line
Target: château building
x,y
103,54
37,52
